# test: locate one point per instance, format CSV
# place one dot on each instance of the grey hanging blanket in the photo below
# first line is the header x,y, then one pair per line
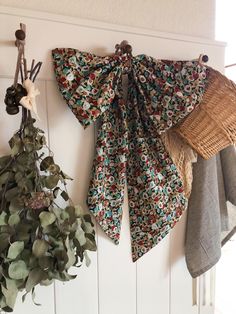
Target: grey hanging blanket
x,y
210,221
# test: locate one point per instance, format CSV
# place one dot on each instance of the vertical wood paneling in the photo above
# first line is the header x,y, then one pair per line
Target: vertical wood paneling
x,y
206,293
225,279
153,278
181,281
73,150
117,272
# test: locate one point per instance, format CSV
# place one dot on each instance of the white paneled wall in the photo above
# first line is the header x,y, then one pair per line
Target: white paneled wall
x,y
159,282
162,15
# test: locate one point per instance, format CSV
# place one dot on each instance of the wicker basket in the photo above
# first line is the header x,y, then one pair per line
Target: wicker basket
x,y
212,125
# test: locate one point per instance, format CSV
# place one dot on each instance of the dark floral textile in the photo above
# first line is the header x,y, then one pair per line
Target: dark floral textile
x,y
129,149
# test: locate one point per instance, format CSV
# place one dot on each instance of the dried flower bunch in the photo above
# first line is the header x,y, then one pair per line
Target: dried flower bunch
x,y
40,240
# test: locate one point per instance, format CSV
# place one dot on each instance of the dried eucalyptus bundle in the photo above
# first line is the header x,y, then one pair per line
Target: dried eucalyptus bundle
x,y
39,240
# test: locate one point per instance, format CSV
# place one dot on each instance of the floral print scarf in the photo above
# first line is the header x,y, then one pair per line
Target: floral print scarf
x,y
129,149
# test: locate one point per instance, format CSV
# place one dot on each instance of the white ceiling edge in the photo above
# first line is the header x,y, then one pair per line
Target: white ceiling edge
x,y
105,26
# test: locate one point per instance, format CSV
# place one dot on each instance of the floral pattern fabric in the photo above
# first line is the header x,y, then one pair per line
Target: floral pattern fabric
x,y
129,149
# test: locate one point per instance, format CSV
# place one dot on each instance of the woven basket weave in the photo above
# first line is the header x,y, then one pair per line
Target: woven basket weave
x,y
212,125
182,155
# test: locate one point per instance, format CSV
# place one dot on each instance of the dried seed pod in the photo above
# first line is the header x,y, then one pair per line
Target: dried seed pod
x,y
9,101
20,89
12,110
11,91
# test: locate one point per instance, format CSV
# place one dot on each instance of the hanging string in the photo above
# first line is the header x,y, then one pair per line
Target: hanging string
x,y
21,67
20,44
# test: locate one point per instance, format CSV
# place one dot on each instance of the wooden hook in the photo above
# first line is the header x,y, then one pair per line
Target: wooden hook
x,y
20,36
203,59
123,47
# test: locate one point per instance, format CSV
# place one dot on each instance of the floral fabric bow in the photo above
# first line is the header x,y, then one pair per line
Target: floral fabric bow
x,y
129,148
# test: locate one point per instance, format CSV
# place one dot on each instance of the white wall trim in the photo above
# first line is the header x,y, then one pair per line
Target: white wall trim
x,y
105,26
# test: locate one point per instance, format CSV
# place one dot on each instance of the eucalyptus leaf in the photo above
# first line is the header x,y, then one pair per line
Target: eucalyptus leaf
x,y
12,193
26,255
66,277
16,145
34,278
62,259
29,147
3,219
25,159
46,163
46,282
33,262
65,176
57,212
4,161
18,167
15,249
90,243
80,236
27,131
70,253
3,178
64,215
16,205
51,181
56,243
54,169
25,185
32,175
18,176
6,308
87,227
40,247
62,276
14,219
10,292
42,140
87,218
46,218
1,275
87,259
24,296
71,211
23,230
7,229
34,296
40,130
4,241
18,270
78,210
46,262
